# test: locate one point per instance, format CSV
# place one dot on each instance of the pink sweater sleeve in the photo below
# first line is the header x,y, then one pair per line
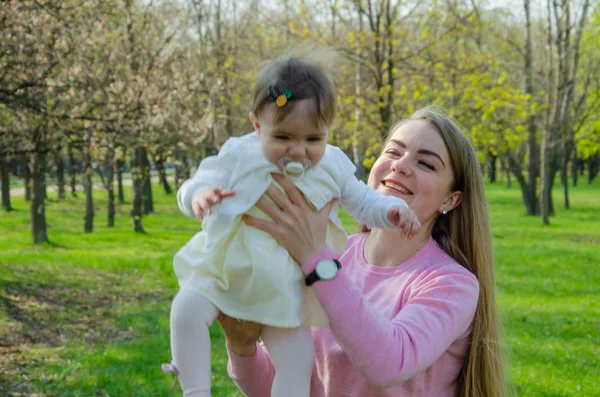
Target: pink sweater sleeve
x,y
390,351
253,375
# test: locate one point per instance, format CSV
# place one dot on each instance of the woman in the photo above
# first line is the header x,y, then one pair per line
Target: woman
x,y
408,317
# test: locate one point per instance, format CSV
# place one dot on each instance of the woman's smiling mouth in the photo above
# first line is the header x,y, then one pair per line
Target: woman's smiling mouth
x,y
396,186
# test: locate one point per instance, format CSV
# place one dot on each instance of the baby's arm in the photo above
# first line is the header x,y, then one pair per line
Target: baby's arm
x,y
366,205
208,185
376,210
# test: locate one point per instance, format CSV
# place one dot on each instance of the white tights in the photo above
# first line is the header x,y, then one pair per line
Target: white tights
x,y
291,349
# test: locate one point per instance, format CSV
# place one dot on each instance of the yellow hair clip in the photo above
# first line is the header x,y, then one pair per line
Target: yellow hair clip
x,y
280,99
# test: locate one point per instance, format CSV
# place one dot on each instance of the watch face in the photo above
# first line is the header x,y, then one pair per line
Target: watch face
x,y
326,269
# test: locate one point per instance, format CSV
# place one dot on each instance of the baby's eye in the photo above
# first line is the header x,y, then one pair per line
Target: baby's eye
x,y
314,139
281,137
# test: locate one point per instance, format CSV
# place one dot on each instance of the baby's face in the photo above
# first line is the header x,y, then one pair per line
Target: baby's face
x,y
296,136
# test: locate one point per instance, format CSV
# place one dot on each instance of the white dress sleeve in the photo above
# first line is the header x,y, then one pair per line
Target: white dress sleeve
x,y
365,204
213,171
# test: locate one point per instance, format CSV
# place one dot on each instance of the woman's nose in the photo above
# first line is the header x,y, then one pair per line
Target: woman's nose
x,y
401,165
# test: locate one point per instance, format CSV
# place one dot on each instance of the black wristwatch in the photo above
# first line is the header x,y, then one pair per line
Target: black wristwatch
x,y
326,269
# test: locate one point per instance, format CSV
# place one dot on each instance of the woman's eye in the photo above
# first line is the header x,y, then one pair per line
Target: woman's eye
x,y
393,152
427,165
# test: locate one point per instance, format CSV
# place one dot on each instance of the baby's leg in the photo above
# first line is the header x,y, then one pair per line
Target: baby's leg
x,y
292,354
191,315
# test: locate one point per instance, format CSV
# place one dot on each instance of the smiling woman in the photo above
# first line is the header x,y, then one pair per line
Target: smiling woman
x,y
408,316
413,167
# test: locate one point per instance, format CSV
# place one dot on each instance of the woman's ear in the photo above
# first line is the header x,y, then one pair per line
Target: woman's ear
x,y
452,201
254,121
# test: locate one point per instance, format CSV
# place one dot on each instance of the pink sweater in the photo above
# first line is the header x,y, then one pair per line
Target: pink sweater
x,y
399,331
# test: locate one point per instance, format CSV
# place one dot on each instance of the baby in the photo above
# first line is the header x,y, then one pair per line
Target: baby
x,y
243,272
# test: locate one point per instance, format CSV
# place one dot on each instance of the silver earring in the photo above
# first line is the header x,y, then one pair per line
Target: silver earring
x,y
444,212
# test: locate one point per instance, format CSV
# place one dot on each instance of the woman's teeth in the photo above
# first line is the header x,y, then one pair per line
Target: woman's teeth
x,y
396,187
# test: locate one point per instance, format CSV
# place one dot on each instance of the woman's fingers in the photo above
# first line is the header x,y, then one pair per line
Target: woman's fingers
x,y
326,210
270,207
279,199
293,194
268,227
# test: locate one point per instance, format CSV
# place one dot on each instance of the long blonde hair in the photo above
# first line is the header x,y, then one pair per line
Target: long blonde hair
x,y
464,234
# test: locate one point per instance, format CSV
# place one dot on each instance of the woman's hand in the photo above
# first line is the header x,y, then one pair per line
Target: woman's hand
x,y
241,336
298,228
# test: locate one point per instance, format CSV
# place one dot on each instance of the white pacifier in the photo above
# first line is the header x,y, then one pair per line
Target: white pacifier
x,y
293,169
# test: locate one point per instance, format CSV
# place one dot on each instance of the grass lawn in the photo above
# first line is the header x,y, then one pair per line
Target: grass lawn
x,y
88,315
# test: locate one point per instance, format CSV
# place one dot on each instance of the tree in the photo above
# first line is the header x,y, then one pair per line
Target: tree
x,y
566,43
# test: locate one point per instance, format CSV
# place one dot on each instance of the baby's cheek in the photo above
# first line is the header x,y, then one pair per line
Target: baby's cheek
x,y
317,157
272,153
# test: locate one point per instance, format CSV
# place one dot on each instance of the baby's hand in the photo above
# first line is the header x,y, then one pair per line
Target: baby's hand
x,y
405,219
206,198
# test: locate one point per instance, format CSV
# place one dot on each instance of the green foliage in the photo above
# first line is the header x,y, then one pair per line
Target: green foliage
x,y
587,122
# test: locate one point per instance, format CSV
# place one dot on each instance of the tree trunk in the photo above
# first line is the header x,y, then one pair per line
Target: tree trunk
x,y
575,164
564,172
564,178
162,174
138,185
551,205
533,166
26,175
532,149
5,177
529,196
593,162
38,210
120,193
148,206
506,171
100,171
358,149
548,172
181,170
546,203
88,171
110,190
60,174
177,168
72,172
492,167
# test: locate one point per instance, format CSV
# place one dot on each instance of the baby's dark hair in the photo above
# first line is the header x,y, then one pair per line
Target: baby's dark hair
x,y
304,78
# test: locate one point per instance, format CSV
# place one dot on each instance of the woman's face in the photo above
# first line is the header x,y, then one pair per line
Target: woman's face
x,y
415,166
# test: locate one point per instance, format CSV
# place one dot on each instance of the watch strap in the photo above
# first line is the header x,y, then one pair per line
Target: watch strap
x,y
313,276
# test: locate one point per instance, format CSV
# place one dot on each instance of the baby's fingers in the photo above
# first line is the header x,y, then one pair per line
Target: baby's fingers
x,y
222,193
415,225
198,210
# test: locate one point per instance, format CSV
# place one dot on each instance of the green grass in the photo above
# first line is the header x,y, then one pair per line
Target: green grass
x,y
88,314
549,288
